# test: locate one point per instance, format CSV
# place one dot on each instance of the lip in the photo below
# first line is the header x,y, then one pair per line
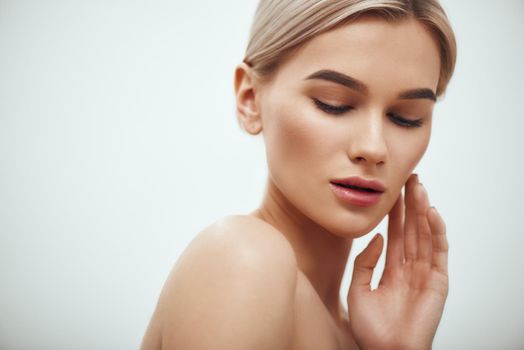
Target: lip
x,y
360,182
358,197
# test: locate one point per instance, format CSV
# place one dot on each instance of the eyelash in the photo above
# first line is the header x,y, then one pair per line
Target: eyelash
x,y
338,110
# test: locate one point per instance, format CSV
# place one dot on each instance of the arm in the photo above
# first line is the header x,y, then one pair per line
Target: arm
x,y
232,289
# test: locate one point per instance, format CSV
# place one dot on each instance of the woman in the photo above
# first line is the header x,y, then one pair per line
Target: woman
x,y
343,94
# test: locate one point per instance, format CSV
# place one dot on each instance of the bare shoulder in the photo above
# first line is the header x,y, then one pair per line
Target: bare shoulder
x,y
247,242
251,233
232,288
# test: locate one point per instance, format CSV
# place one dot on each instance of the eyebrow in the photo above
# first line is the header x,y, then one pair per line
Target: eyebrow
x,y
339,78
418,93
357,85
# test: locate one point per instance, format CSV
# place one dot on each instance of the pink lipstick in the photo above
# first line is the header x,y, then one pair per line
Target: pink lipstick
x,y
358,191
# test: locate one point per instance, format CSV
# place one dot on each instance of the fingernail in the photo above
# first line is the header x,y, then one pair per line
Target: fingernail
x,y
422,187
432,209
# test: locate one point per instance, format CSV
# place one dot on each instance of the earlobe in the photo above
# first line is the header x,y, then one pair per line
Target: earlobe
x,y
253,128
247,110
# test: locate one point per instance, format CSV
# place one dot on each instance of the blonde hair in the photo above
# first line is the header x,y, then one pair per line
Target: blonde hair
x,y
281,26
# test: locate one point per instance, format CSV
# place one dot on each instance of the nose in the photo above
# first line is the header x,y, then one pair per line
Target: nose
x,y
367,144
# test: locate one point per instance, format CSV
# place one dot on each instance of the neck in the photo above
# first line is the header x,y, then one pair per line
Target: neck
x,y
321,255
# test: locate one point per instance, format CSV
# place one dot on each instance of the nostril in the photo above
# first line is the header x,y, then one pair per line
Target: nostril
x,y
361,159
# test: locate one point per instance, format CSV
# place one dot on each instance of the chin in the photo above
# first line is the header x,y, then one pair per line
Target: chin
x,y
352,224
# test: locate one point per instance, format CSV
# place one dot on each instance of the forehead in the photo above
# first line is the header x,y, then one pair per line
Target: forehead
x,y
400,54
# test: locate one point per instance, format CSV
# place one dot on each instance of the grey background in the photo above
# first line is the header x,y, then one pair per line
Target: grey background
x,y
118,143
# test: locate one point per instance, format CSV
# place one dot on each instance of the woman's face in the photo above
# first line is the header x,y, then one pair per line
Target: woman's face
x,y
380,77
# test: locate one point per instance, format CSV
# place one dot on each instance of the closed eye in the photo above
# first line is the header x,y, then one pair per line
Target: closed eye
x,y
336,110
395,118
403,122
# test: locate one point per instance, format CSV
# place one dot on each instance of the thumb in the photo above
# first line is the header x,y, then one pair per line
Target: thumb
x,y
365,262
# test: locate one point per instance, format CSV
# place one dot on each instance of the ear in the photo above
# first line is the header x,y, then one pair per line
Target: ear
x,y
247,109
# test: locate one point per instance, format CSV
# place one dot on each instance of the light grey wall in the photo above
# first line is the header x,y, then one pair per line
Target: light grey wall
x,y
118,143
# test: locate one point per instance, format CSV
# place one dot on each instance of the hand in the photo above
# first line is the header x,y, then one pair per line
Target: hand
x,y
403,312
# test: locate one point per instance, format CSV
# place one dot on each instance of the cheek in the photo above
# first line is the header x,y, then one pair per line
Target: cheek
x,y
296,141
302,146
406,152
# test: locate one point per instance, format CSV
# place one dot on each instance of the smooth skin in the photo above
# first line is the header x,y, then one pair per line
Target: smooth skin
x,y
271,279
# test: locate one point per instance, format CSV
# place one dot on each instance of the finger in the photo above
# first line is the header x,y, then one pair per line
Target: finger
x,y
365,262
424,231
395,248
410,223
439,259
